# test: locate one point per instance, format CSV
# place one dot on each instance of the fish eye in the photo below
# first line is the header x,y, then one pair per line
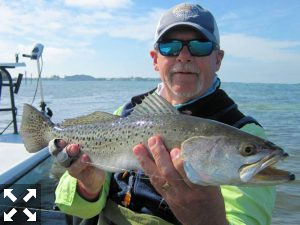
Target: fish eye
x,y
248,150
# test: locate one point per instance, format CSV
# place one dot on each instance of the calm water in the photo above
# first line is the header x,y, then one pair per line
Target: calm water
x,y
275,106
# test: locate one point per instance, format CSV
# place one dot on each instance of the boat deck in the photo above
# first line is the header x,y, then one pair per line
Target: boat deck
x,y
12,151
19,170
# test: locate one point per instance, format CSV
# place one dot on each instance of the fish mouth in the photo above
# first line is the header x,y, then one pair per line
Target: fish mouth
x,y
263,171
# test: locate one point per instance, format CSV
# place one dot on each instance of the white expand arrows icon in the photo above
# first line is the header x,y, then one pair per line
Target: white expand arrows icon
x,y
8,216
31,193
7,193
31,216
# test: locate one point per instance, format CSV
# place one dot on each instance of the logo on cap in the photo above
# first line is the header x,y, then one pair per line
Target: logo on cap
x,y
185,10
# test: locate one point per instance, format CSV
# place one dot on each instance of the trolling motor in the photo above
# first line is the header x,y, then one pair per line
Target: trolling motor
x,y
36,54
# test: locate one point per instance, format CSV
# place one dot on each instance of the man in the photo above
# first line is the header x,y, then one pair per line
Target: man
x,y
187,56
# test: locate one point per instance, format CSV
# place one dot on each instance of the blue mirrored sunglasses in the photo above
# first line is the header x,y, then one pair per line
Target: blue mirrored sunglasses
x,y
195,47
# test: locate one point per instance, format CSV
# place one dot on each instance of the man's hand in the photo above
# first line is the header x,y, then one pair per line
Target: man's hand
x,y
90,179
190,203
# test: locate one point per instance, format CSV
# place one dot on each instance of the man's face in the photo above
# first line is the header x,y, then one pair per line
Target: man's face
x,y
186,76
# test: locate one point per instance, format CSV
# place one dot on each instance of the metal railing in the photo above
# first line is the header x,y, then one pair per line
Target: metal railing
x,y
13,89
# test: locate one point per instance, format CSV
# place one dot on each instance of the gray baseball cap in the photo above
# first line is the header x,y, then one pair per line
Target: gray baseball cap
x,y
192,15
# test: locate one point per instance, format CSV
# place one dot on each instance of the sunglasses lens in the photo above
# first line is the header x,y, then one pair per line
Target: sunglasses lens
x,y
196,47
170,48
199,48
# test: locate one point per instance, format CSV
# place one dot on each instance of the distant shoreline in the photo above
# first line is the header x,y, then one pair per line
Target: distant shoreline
x,y
100,79
91,78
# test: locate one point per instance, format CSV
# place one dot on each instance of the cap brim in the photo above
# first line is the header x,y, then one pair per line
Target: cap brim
x,y
201,29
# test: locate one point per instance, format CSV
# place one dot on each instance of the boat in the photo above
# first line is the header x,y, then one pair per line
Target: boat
x,y
21,172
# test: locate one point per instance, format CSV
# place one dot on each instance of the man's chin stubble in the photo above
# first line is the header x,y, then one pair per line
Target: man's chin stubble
x,y
183,94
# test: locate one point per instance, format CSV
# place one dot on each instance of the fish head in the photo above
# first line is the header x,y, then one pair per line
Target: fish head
x,y
223,160
260,156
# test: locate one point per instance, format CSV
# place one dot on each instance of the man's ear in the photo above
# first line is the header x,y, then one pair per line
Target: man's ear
x,y
219,58
153,55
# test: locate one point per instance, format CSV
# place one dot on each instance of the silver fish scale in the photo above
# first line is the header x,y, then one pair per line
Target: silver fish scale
x,y
111,143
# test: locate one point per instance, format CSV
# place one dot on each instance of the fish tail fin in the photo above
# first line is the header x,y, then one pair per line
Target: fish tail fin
x,y
35,129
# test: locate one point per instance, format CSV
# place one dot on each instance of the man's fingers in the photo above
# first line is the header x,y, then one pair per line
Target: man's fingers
x,y
163,175
163,160
178,164
79,165
60,143
148,165
140,151
73,150
64,154
54,147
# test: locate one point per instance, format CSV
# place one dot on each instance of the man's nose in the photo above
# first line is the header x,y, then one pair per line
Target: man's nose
x,y
184,55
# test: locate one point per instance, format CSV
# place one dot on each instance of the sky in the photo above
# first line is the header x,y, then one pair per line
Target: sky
x,y
112,38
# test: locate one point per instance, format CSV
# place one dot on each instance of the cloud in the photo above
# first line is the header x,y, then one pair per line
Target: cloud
x,y
56,23
257,59
139,27
68,35
133,26
259,49
8,50
27,22
99,3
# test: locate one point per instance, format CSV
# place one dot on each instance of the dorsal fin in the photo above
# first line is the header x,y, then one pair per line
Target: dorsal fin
x,y
153,104
89,119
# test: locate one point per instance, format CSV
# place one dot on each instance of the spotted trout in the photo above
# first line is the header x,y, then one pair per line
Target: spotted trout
x,y
213,153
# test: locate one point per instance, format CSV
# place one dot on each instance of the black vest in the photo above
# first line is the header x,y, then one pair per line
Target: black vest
x,y
144,199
